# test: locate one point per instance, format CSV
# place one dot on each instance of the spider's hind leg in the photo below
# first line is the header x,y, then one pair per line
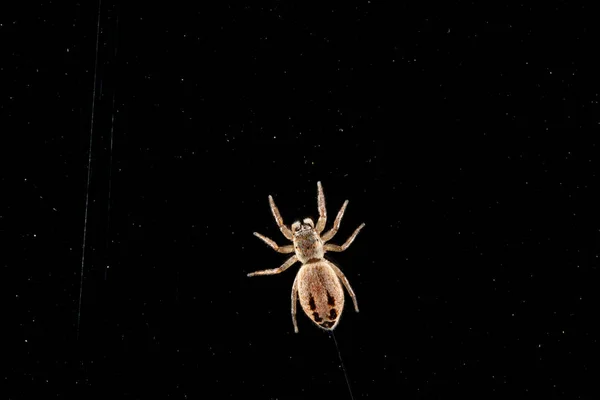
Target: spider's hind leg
x,y
344,280
290,261
294,303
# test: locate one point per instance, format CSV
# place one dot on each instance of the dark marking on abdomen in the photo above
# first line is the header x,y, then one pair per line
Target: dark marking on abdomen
x,y
332,314
311,303
317,318
330,299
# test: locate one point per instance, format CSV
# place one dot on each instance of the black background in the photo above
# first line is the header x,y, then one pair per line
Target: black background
x,y
465,137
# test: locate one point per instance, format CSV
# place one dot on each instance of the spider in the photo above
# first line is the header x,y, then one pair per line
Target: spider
x,y
317,283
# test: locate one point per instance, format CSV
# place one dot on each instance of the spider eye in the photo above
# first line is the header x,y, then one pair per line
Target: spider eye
x,y
309,222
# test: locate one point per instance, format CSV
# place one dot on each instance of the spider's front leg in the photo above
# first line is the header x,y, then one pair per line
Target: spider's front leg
x,y
275,246
283,267
284,229
335,247
336,224
322,210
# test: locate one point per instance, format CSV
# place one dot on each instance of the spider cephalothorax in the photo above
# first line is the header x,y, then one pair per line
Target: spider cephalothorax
x,y
317,284
307,243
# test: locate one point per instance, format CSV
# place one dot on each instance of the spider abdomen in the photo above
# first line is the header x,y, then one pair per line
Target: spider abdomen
x,y
321,294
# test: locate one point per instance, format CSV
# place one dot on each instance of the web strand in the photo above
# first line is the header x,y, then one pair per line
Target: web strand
x,y
342,365
89,173
110,162
112,126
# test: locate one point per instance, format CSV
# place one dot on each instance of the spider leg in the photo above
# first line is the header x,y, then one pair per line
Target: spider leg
x,y
336,224
284,229
322,210
337,248
290,261
344,280
275,246
294,303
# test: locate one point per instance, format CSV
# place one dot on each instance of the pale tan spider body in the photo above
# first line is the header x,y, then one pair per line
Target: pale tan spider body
x,y
318,284
320,292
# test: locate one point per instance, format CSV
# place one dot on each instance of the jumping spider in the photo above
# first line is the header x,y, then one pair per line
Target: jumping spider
x,y
317,283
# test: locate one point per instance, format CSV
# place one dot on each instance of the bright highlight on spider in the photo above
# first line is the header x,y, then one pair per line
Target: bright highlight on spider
x,y
317,283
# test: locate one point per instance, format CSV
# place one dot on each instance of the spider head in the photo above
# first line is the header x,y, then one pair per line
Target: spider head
x,y
302,228
307,243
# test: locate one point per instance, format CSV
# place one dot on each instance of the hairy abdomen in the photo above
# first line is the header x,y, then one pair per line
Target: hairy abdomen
x,y
321,294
